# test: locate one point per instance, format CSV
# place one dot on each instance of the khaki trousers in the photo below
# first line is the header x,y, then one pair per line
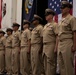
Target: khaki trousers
x,y
36,60
49,58
15,61
25,64
65,57
8,55
2,61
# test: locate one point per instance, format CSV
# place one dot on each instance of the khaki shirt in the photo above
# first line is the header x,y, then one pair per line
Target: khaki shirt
x,y
66,27
16,39
25,36
2,43
9,41
49,32
36,34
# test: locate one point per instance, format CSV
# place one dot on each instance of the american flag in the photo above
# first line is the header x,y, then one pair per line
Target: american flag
x,y
55,5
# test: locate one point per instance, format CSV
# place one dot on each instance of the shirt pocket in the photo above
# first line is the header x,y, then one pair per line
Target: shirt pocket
x,y
66,26
24,35
65,23
9,41
50,28
15,38
35,33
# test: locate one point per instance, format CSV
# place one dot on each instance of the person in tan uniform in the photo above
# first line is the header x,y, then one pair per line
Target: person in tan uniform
x,y
67,40
8,51
2,52
15,49
49,43
25,49
36,46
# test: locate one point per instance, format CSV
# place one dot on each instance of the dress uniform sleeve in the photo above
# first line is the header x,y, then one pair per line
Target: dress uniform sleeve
x,y
55,28
73,24
41,31
28,35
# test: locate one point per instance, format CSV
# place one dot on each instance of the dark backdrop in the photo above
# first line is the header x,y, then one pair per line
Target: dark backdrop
x,y
41,6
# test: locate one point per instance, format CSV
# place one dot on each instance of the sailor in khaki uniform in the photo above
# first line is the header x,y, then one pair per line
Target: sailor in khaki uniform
x,y
25,49
49,43
2,52
15,49
36,46
67,40
8,51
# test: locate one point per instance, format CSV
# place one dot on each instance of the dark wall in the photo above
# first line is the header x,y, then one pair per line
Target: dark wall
x,y
41,6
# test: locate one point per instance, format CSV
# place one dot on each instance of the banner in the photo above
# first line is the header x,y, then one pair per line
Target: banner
x,y
29,8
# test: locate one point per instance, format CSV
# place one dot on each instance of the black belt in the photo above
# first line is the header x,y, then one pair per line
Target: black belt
x,y
8,47
47,43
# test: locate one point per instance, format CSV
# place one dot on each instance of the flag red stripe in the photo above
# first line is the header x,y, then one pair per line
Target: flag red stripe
x,y
56,18
71,12
0,12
